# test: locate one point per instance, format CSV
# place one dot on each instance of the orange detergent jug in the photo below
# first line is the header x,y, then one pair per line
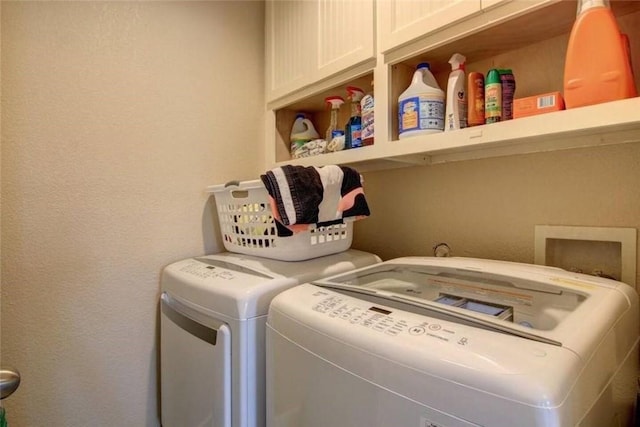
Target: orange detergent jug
x,y
598,65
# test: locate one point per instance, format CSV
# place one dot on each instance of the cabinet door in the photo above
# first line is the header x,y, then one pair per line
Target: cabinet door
x,y
485,4
310,40
345,35
291,45
402,21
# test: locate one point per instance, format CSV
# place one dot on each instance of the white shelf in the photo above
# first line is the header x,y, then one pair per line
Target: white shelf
x,y
604,124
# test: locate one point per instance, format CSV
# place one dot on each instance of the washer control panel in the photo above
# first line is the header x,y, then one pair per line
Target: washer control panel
x,y
206,271
210,268
385,320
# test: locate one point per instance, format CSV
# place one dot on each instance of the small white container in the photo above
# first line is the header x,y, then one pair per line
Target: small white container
x,y
303,129
367,106
456,112
421,106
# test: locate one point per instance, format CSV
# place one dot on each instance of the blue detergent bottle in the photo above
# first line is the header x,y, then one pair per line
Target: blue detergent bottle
x,y
353,129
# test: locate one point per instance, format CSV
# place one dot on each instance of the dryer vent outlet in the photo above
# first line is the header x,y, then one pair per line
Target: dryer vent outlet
x,y
442,250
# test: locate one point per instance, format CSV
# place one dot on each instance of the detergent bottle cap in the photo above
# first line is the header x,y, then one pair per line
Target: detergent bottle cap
x,y
584,5
299,116
493,76
423,65
457,62
334,101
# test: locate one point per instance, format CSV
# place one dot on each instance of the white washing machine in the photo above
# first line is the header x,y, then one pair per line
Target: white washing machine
x,y
453,342
213,313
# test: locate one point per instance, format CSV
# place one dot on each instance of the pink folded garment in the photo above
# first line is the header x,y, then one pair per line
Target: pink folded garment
x,y
303,197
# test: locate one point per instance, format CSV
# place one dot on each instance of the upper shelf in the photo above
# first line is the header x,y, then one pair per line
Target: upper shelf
x,y
529,37
604,124
507,27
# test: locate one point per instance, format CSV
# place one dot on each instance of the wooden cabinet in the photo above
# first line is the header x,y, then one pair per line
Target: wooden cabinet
x,y
486,4
402,21
528,36
308,41
290,46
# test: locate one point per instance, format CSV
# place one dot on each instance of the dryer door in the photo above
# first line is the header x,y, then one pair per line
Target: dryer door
x,y
195,365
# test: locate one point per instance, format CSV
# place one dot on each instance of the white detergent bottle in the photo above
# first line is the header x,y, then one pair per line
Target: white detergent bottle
x,y
456,110
303,130
421,107
427,75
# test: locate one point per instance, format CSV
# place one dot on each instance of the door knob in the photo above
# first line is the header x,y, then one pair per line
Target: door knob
x,y
9,382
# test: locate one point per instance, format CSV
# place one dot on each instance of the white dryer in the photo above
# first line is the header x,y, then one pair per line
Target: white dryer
x,y
213,313
453,342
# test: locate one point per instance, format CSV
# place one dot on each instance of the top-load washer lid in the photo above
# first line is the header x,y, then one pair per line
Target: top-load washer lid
x,y
242,286
545,304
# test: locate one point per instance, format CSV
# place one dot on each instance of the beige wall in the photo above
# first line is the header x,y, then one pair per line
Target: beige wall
x,y
489,208
115,117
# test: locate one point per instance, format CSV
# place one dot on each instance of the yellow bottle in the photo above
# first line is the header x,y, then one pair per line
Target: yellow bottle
x,y
475,97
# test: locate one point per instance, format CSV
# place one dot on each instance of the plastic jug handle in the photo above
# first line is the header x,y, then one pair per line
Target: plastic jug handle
x,y
417,77
627,48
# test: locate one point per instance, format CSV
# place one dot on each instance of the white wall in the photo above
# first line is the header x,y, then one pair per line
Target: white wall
x,y
115,117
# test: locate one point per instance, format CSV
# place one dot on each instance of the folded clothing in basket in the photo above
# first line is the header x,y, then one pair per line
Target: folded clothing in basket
x,y
301,197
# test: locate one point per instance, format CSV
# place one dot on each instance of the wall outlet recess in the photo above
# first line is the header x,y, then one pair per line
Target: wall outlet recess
x,y
607,251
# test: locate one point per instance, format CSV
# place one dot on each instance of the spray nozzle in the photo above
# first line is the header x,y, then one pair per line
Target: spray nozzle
x,y
457,61
355,94
334,101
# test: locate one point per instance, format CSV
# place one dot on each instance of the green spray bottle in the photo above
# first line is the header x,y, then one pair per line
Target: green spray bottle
x,y
492,97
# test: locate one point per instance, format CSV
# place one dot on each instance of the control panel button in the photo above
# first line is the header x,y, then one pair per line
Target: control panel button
x,y
416,330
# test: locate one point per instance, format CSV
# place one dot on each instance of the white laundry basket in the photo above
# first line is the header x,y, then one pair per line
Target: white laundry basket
x,y
248,227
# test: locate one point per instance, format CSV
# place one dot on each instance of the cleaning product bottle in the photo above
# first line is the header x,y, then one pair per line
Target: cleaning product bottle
x,y
353,128
508,83
302,132
492,97
475,110
421,105
597,66
367,105
298,125
303,129
427,75
334,102
456,110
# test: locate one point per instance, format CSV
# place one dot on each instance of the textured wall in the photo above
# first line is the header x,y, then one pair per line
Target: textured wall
x,y
115,117
489,208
